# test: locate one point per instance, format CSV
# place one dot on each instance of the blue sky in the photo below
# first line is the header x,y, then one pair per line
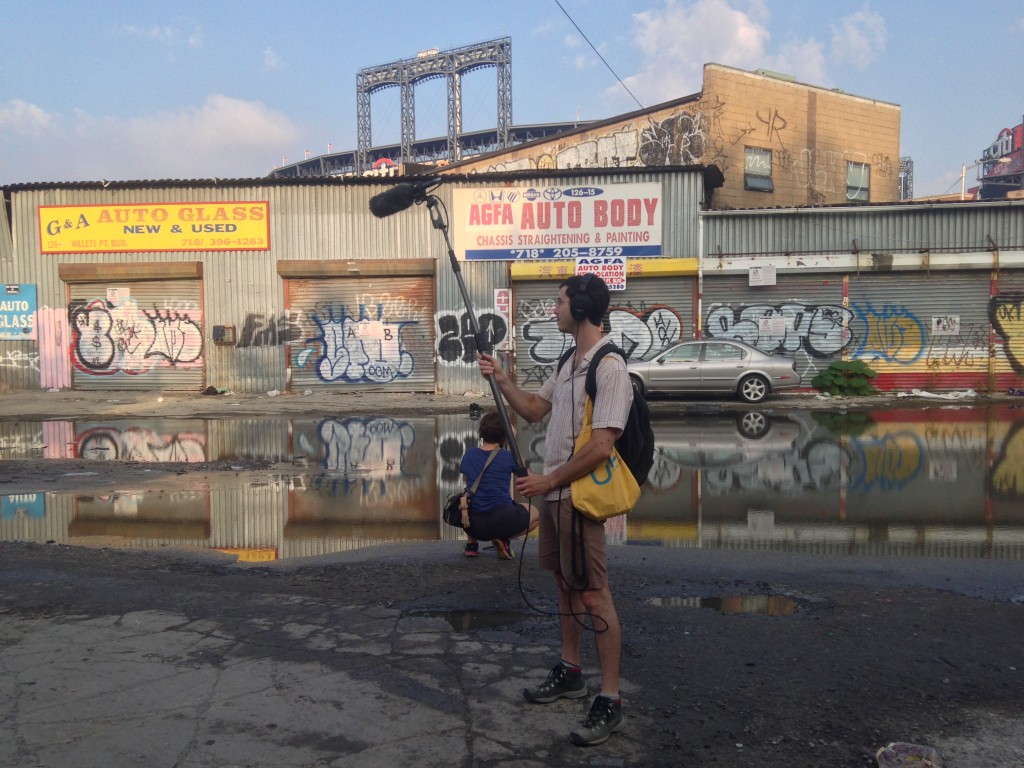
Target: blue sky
x,y
112,89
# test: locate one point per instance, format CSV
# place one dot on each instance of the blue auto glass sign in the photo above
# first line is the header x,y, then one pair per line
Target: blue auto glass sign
x,y
31,505
18,312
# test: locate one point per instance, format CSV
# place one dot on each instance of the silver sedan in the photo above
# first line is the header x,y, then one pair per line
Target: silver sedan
x,y
715,366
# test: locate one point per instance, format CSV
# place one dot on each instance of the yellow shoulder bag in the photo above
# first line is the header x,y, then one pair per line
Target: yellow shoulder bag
x,y
609,489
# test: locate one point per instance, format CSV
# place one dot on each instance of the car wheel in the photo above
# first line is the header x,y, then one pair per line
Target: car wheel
x,y
638,385
753,424
753,389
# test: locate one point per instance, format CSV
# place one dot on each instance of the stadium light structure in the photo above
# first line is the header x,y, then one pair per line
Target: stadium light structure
x,y
966,167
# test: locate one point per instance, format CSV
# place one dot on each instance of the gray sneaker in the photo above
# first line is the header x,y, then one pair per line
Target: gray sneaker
x,y
605,718
562,683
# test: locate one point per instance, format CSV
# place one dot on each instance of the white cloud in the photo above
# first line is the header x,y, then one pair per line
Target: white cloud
x,y
677,40
20,117
859,39
224,137
804,59
167,34
170,37
270,59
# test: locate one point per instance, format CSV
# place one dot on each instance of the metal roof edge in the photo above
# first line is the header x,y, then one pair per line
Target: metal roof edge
x,y
902,205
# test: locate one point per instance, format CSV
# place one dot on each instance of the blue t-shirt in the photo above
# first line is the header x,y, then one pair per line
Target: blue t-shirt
x,y
494,485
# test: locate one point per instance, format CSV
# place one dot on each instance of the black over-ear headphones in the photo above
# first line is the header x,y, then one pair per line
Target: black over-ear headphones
x,y
580,305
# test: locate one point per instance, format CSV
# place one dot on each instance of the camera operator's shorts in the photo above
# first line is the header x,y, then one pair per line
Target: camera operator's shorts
x,y
581,564
504,522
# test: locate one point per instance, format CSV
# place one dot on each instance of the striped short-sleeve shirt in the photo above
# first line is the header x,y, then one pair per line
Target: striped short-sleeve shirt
x,y
566,392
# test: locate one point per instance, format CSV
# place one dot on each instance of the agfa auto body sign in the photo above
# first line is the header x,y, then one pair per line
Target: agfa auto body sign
x,y
521,223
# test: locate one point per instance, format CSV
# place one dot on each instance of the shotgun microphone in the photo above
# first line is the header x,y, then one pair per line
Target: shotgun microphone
x,y
401,196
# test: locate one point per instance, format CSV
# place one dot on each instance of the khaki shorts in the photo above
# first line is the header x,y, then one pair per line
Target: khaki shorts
x,y
582,565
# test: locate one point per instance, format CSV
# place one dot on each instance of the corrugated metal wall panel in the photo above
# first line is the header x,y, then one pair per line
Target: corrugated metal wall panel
x,y
539,343
921,330
363,332
648,316
19,360
234,278
6,246
457,371
247,438
149,338
248,517
652,314
1006,314
814,322
36,517
940,228
21,440
318,222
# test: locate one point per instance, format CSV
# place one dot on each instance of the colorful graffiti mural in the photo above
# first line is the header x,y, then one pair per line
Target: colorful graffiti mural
x,y
640,333
143,444
455,342
357,348
893,334
1006,313
820,330
124,337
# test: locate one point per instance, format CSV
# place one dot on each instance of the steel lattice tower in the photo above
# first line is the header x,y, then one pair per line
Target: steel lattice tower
x,y
428,65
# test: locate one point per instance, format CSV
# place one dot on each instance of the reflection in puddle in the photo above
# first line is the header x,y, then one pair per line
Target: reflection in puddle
x,y
762,605
462,621
938,482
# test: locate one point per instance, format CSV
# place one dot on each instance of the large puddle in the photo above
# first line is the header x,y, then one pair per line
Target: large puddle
x,y
942,482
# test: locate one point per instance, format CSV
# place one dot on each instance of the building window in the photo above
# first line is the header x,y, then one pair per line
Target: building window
x,y
858,182
757,169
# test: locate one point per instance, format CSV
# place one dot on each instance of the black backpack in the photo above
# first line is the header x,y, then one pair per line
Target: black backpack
x,y
636,443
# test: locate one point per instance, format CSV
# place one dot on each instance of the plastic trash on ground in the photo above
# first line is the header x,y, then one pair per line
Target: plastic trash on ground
x,y
962,395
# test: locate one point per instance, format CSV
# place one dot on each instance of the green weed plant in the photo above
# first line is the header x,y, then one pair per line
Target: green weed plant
x,y
846,378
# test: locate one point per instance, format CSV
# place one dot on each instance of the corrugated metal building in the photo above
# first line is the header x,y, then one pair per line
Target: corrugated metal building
x,y
928,294
292,284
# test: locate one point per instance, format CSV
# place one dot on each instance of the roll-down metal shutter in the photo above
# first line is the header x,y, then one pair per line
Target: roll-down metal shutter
x,y
651,314
1005,311
915,329
362,332
801,316
145,335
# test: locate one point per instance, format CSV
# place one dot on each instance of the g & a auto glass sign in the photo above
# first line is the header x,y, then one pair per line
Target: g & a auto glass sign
x,y
522,223
230,226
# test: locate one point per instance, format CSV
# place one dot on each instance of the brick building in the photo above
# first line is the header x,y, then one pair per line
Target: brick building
x,y
777,142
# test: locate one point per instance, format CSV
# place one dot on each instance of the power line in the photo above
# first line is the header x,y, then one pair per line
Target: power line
x,y
594,49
